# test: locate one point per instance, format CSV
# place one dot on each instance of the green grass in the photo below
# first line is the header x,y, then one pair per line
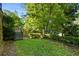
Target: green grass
x,y
41,47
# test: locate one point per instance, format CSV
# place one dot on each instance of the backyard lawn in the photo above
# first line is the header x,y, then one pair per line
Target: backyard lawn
x,y
43,47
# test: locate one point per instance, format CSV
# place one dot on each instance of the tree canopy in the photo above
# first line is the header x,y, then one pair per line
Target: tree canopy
x,y
51,18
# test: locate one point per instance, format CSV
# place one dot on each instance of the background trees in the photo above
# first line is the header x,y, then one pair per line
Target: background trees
x,y
47,18
10,22
52,19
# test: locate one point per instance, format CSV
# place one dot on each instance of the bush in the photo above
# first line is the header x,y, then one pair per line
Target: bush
x,y
39,35
47,36
8,34
36,35
71,39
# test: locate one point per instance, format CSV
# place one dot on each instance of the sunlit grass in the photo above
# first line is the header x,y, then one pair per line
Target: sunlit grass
x,y
41,47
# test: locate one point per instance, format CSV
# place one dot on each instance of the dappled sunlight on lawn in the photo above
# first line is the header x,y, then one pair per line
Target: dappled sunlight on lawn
x,y
43,47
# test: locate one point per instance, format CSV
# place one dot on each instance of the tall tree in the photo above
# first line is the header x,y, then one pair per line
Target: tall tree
x,y
11,21
51,18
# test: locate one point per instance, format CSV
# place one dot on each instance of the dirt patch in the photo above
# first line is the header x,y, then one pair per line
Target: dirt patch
x,y
8,48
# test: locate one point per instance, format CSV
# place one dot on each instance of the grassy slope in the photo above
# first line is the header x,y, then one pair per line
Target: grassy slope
x,y
41,47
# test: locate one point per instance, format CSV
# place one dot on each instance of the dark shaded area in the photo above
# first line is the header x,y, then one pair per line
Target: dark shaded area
x,y
1,15
0,6
8,27
8,34
18,35
8,48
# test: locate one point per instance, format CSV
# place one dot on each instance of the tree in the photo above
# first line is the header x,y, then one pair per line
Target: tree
x,y
51,18
10,22
46,18
69,11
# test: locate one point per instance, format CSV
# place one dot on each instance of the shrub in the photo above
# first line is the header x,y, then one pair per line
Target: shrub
x,y
36,35
71,39
47,36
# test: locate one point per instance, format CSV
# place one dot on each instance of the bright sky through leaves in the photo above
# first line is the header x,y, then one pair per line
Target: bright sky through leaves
x,y
18,7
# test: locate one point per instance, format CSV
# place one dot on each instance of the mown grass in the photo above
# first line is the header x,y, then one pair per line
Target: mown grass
x,y
42,47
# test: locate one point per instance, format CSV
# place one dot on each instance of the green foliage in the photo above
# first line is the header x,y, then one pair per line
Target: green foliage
x,y
10,22
8,25
71,39
46,18
52,19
